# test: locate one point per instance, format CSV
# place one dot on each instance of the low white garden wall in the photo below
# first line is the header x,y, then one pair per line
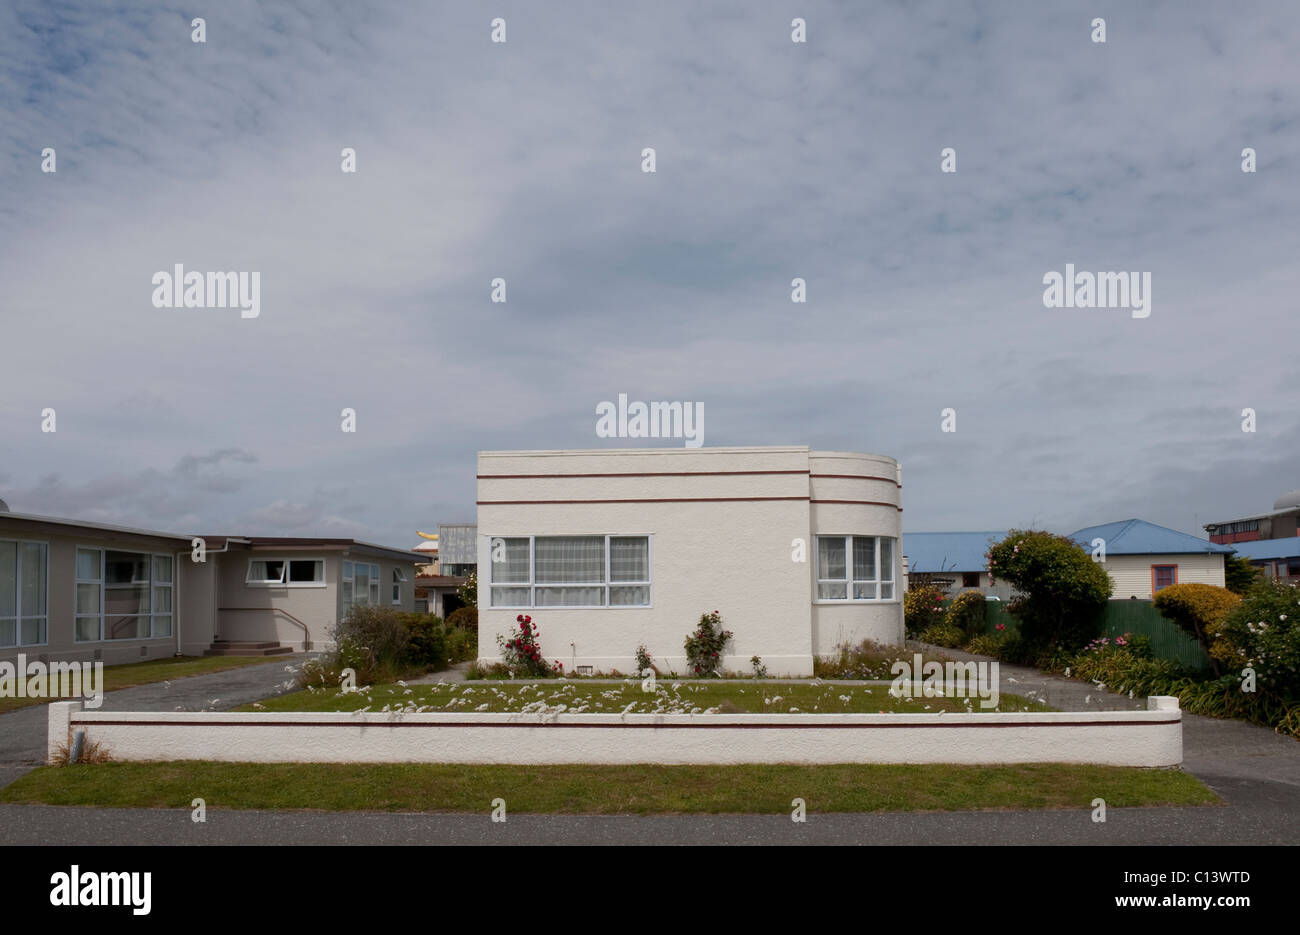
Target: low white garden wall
x,y
1119,738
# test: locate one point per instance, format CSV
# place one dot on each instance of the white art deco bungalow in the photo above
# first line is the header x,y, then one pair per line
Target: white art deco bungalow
x,y
607,549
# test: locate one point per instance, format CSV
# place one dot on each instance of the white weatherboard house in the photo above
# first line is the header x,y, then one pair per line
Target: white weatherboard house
x,y
610,548
1142,558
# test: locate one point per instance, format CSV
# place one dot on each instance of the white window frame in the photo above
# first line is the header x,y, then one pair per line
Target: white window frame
x,y
152,584
373,594
848,580
532,585
399,579
283,581
19,616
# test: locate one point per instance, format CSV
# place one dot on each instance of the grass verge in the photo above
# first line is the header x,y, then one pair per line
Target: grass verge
x,y
604,790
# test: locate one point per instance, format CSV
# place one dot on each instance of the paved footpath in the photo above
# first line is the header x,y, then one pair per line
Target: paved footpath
x,y
1254,769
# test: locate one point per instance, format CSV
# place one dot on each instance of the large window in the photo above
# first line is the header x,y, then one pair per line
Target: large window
x,y
24,570
360,584
1162,576
855,568
286,573
123,595
570,571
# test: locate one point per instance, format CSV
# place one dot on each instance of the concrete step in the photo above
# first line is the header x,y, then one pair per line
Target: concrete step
x,y
246,648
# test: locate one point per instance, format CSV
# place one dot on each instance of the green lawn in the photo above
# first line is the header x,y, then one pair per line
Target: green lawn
x,y
683,697
604,790
155,670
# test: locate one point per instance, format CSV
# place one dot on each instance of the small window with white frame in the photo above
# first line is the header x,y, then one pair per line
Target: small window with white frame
x,y
399,579
360,584
285,573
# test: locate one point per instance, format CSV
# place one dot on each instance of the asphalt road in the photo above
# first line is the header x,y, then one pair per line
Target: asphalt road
x,y
1254,769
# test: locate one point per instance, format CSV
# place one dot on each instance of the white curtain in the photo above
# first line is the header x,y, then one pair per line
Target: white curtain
x,y
629,559
569,559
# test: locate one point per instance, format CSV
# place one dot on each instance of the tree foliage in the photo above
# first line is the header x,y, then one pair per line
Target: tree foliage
x,y
1063,590
1198,609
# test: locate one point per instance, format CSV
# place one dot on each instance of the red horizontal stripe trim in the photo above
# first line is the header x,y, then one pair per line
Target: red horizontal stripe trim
x,y
634,474
637,500
887,480
958,721
864,502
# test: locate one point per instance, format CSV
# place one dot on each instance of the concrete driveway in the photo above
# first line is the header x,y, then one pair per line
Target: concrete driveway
x,y
22,732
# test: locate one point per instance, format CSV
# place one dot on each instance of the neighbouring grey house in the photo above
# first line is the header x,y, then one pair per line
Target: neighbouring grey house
x,y
954,561
78,591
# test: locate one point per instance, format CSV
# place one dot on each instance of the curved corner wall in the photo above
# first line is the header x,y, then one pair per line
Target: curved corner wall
x,y
855,494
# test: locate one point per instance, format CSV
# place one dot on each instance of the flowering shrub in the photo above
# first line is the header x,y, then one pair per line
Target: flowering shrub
x,y
1262,632
760,670
644,661
922,609
522,651
704,646
966,613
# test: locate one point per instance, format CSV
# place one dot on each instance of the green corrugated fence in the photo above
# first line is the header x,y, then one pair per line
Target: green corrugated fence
x,y
1136,617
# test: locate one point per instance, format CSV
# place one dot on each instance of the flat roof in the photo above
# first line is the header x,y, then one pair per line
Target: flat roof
x,y
254,542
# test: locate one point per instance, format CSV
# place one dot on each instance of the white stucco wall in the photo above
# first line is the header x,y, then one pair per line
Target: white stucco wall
x,y
722,523
1149,738
1131,574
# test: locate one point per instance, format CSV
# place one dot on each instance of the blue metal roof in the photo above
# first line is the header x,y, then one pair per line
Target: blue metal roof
x,y
1262,549
948,551
1138,537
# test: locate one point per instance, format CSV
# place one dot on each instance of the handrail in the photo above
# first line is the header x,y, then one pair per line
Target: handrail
x,y
306,641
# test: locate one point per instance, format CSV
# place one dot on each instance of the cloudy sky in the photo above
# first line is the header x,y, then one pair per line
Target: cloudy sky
x,y
522,160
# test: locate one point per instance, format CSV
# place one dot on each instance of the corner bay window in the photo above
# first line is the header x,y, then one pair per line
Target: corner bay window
x,y
855,568
570,571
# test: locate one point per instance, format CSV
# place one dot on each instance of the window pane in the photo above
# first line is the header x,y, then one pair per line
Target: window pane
x,y
162,568
8,579
510,597
509,560
162,600
126,568
307,571
33,630
374,591
864,559
864,590
629,559
126,628
886,590
347,571
125,600
87,598
87,628
832,591
8,632
347,593
830,557
88,564
33,569
565,559
271,570
887,561
570,597
629,595
162,626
